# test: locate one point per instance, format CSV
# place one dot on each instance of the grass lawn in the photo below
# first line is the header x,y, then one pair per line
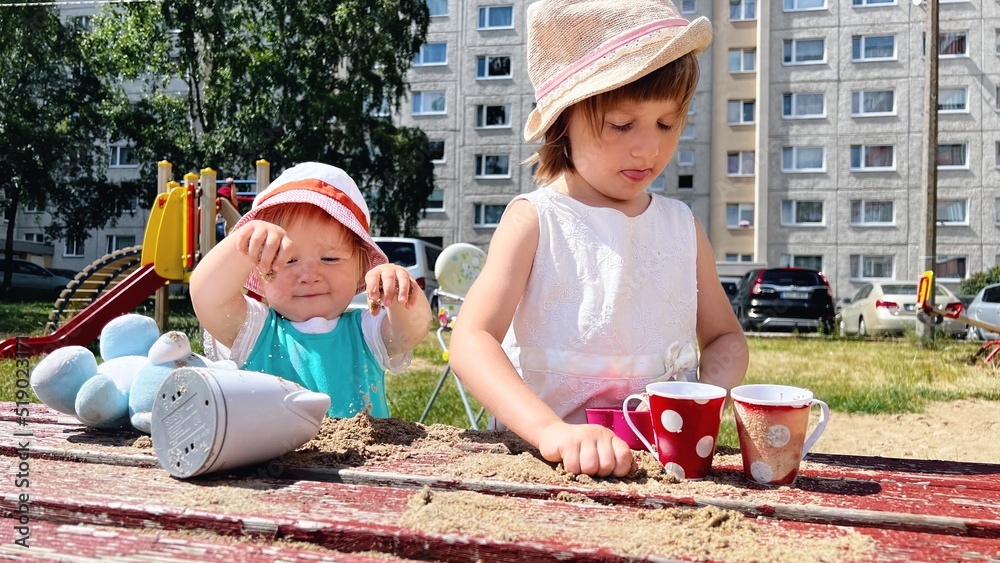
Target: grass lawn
x,y
851,375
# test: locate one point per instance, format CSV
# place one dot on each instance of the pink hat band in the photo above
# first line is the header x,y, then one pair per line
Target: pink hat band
x,y
320,187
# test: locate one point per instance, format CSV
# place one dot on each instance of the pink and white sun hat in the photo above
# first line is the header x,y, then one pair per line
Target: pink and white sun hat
x,y
326,187
580,48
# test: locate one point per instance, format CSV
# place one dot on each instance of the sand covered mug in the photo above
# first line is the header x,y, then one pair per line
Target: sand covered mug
x,y
686,417
771,421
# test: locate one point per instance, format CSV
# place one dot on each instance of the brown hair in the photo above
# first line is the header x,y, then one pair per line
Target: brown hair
x,y
674,81
289,213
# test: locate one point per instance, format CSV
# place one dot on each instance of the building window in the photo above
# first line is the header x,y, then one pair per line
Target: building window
x,y
487,215
742,10
488,68
954,44
804,51
686,157
740,163
950,268
996,97
795,213
493,117
435,201
739,215
867,213
736,257
998,155
436,151
952,212
131,205
74,248
742,60
688,133
431,54
740,112
953,100
802,159
996,214
496,17
118,242
30,207
685,182
865,267
875,158
429,103
996,42
688,6
437,7
804,5
34,237
868,48
123,157
803,106
871,103
810,261
492,166
953,156
865,3
659,184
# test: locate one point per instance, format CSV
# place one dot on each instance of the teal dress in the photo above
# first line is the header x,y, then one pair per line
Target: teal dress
x,y
337,363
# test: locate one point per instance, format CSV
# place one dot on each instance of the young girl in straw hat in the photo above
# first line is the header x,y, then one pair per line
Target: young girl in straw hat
x,y
604,287
304,246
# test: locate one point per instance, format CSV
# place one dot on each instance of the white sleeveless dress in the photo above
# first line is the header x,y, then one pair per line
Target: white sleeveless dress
x,y
610,305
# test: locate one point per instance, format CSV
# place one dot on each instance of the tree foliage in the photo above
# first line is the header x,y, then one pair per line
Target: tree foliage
x,y
222,83
55,136
979,280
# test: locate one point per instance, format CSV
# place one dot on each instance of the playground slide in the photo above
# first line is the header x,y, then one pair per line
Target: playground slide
x,y
84,327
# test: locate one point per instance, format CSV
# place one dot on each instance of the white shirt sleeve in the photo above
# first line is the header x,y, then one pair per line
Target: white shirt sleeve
x,y
251,328
371,328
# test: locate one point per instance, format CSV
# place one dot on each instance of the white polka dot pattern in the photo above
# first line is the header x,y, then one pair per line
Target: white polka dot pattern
x,y
778,435
672,421
705,446
761,472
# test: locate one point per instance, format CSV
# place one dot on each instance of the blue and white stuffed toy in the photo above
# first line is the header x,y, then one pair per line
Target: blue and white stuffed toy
x,y
118,393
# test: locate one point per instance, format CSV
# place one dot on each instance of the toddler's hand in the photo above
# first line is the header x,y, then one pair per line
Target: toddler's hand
x,y
388,284
262,243
586,448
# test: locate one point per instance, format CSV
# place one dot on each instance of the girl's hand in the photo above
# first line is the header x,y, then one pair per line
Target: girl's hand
x,y
262,243
586,448
388,284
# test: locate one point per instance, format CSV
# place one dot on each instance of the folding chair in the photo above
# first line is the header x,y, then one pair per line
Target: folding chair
x,y
456,268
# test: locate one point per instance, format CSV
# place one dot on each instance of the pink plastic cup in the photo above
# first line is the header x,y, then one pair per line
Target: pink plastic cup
x,y
614,420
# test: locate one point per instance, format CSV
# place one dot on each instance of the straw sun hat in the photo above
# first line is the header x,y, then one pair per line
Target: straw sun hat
x,y
579,48
326,187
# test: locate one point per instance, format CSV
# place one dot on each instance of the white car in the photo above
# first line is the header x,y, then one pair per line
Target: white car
x,y
416,255
985,307
890,307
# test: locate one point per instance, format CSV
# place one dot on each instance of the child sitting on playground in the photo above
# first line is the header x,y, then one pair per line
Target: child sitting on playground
x,y
304,246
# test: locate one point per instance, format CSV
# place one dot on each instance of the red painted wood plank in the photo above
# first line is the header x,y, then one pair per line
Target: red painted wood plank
x,y
363,518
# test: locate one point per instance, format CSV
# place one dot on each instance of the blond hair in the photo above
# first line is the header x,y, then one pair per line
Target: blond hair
x,y
674,81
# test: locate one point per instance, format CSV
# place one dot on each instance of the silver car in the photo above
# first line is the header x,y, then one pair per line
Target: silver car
x,y
985,307
890,307
31,281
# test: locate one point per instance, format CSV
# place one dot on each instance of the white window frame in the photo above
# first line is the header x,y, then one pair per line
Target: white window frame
x,y
482,111
996,48
792,45
965,154
658,185
793,206
483,22
939,271
997,164
33,237
863,221
793,97
740,158
795,157
113,242
861,42
944,36
873,3
688,133
962,204
483,67
117,152
479,217
419,96
689,6
738,257
747,10
741,109
744,215
863,149
437,14
440,208
686,157
792,6
74,248
965,93
744,55
801,261
860,95
418,58
862,262
480,167
996,212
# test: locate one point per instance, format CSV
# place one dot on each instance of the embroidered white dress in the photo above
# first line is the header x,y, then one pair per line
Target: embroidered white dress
x,y
610,305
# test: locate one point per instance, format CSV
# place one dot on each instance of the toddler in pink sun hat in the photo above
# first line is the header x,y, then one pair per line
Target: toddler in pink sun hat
x,y
304,247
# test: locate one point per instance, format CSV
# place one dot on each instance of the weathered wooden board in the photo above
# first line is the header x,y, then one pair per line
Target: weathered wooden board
x,y
352,518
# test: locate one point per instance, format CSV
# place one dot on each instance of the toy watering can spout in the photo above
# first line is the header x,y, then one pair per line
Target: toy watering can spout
x,y
210,419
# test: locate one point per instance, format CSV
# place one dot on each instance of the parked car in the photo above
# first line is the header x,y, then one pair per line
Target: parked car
x,y
784,298
416,255
731,284
890,308
30,280
985,307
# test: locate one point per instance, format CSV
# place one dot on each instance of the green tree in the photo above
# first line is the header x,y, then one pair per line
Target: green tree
x,y
979,280
55,137
222,83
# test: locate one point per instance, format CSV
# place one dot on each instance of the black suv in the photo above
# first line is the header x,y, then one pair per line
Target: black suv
x,y
786,298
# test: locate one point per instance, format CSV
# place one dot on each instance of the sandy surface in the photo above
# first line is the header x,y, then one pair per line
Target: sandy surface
x,y
965,430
